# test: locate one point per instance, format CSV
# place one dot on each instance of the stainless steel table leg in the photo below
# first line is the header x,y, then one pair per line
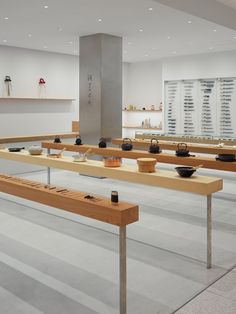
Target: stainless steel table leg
x,y
209,231
48,170
123,278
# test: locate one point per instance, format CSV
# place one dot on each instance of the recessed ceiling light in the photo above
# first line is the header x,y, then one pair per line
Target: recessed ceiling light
x,y
146,55
214,30
234,37
189,22
45,47
29,35
99,20
129,43
60,29
45,6
168,37
141,30
6,18
4,40
210,48
70,42
174,52
150,9
154,48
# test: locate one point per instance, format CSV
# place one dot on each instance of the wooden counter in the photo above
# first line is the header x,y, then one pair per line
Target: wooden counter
x,y
207,162
166,179
192,147
34,138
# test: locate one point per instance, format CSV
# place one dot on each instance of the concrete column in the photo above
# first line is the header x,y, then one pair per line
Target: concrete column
x,y
100,111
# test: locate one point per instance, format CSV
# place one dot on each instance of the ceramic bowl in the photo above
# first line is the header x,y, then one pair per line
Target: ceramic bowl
x,y
35,150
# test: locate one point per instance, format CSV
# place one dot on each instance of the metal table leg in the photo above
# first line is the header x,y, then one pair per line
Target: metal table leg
x,y
123,278
209,231
48,170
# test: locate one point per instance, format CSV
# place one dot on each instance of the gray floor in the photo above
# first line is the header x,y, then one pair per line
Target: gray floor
x,y
56,262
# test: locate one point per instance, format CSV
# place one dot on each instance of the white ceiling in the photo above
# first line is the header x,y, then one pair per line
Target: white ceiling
x,y
166,31
230,3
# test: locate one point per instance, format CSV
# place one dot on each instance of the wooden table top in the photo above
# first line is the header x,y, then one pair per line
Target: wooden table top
x,y
166,179
206,162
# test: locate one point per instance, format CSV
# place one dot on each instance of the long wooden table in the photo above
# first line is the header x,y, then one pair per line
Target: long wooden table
x,y
201,185
206,162
193,147
34,138
100,208
188,139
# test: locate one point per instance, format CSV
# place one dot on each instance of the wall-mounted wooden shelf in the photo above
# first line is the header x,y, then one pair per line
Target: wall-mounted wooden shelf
x,y
36,98
140,127
142,110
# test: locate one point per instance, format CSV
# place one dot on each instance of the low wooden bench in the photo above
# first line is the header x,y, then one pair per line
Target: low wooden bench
x,y
206,162
100,208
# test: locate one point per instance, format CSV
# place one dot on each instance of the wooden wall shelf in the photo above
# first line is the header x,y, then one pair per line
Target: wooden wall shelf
x,y
139,110
140,127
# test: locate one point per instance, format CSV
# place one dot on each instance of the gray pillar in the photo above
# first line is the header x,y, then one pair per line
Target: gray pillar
x,y
100,111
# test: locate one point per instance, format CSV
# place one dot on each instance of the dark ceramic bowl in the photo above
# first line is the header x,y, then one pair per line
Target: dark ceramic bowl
x,y
185,172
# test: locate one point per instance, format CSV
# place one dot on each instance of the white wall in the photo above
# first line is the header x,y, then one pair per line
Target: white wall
x,y
211,65
144,83
27,117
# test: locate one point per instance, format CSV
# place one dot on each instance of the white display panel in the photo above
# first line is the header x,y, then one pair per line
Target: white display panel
x,y
204,107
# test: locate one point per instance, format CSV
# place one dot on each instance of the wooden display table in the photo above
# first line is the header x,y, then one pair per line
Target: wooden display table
x,y
201,185
187,139
192,147
34,138
206,162
99,208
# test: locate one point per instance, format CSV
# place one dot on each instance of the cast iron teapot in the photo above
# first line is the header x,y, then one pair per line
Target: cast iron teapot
x,y
127,144
154,148
78,140
182,150
102,143
57,139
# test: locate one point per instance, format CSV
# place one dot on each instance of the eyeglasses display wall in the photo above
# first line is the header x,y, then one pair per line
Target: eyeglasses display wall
x,y
204,107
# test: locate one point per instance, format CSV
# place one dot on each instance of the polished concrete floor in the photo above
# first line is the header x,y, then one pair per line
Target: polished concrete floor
x,y
54,262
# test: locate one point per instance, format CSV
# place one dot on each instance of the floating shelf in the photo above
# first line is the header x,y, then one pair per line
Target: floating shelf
x,y
140,127
36,98
142,110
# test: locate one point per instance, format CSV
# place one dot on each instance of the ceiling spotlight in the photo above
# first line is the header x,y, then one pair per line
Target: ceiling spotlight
x,y
99,20
234,37
6,18
4,40
60,29
29,35
174,52
141,30
45,6
210,48
150,9
214,30
146,55
168,37
45,47
189,22
70,42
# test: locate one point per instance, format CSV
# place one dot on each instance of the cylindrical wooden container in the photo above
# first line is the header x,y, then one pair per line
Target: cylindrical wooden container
x,y
146,164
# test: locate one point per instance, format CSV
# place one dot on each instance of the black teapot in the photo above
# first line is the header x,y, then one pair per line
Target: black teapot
x,y
154,148
78,140
182,150
102,143
127,144
57,139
